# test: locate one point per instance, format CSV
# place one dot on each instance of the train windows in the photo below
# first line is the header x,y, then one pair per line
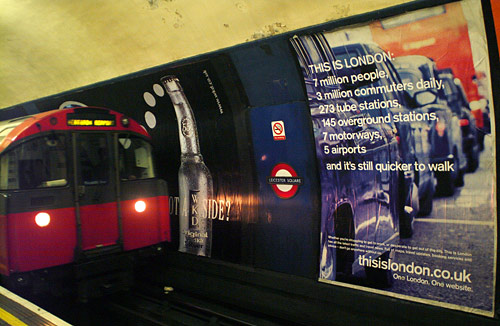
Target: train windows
x,y
135,158
37,163
93,156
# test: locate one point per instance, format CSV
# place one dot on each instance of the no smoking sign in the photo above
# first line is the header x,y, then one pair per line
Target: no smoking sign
x,y
278,128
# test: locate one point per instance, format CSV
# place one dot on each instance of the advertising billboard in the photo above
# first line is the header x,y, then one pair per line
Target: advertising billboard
x,y
401,117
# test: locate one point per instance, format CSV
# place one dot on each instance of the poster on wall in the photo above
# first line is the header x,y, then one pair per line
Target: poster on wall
x,y
402,119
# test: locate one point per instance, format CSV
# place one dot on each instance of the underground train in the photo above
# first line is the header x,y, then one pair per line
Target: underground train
x,y
78,189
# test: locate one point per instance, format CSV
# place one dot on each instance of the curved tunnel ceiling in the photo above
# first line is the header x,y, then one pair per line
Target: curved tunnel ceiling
x,y
51,46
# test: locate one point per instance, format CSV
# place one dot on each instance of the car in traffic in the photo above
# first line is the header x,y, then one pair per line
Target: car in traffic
x,y
480,108
416,189
457,100
358,201
448,160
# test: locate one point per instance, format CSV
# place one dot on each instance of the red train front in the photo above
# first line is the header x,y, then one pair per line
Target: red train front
x,y
78,187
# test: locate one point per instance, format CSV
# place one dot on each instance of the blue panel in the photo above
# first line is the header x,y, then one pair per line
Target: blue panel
x,y
287,232
268,73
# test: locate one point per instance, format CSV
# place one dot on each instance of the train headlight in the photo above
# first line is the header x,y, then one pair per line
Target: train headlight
x,y
42,219
140,206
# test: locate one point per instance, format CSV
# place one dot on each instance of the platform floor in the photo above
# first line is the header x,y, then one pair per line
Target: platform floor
x,y
16,311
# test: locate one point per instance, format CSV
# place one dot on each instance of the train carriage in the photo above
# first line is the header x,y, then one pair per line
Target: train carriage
x,y
77,186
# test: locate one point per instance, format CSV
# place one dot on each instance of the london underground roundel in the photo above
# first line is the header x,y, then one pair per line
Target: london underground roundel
x,y
284,180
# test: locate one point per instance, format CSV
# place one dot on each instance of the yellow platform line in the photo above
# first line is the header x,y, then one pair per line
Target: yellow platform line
x,y
31,307
10,319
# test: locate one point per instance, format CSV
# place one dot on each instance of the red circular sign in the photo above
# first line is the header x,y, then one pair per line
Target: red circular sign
x,y
278,128
284,180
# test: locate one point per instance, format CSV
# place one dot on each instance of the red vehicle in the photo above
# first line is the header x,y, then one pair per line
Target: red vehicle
x,y
434,33
78,189
442,34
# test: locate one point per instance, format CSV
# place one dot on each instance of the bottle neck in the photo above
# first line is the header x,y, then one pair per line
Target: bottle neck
x,y
188,132
191,158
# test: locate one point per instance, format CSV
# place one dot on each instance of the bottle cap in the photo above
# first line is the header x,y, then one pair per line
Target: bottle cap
x,y
171,83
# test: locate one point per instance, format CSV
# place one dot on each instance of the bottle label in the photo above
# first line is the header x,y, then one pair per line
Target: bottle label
x,y
186,127
197,233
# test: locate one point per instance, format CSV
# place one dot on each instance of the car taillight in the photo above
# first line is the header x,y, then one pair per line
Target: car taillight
x,y
464,122
440,128
42,219
140,206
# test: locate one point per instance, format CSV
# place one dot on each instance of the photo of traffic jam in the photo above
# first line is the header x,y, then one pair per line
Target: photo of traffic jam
x,y
385,87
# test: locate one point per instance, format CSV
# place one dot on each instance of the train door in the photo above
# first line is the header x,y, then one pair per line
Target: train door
x,y
97,209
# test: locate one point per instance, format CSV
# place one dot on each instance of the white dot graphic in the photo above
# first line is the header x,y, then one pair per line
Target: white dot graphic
x,y
150,119
150,99
158,90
